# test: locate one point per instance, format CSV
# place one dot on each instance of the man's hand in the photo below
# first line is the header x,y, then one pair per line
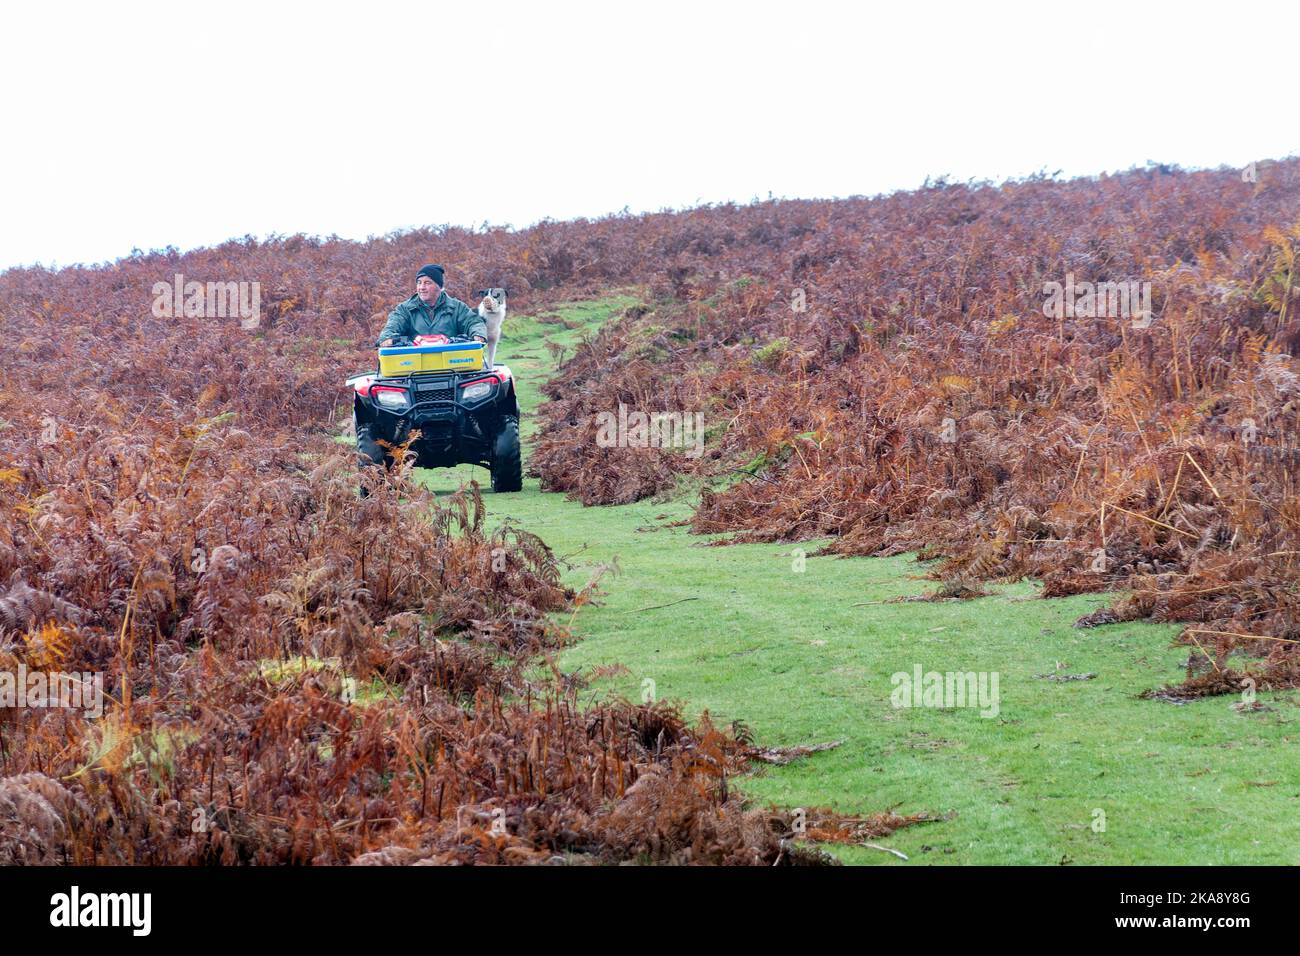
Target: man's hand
x,y
479,338
385,343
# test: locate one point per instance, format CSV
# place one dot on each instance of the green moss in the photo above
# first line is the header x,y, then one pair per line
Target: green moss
x,y
770,354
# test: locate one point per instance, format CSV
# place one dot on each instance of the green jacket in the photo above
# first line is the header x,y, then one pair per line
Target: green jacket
x,y
448,316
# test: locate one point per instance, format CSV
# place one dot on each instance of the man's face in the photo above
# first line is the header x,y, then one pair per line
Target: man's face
x,y
427,289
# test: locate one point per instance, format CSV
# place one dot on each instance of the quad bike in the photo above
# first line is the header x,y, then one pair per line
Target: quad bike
x,y
436,386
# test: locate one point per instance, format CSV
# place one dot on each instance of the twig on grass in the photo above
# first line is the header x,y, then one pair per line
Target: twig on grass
x,y
653,607
877,846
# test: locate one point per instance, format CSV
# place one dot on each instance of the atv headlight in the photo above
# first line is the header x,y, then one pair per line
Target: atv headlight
x,y
476,390
391,398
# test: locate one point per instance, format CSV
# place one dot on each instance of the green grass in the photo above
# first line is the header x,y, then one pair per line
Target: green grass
x,y
790,654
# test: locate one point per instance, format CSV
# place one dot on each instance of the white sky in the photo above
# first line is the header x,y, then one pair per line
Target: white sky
x,y
148,124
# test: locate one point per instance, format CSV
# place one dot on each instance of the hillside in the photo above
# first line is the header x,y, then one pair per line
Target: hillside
x,y
319,677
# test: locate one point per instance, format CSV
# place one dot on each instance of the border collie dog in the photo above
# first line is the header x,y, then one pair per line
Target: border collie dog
x,y
493,311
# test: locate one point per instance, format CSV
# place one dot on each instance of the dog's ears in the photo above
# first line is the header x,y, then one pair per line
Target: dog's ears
x,y
481,292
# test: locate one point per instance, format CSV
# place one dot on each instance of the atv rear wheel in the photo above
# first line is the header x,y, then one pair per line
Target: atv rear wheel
x,y
507,465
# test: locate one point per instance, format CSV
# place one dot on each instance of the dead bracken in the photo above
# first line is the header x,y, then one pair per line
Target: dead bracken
x,y
294,673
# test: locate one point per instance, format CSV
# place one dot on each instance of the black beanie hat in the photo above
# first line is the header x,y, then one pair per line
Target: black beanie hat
x,y
433,272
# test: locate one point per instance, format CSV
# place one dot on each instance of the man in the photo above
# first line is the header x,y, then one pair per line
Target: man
x,y
432,312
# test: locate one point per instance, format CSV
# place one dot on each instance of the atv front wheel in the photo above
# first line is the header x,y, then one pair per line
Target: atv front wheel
x,y
507,466
369,451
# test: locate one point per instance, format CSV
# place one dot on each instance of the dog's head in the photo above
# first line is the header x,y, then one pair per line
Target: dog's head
x,y
494,298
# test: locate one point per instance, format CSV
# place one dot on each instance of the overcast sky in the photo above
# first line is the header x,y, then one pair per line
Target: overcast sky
x,y
146,125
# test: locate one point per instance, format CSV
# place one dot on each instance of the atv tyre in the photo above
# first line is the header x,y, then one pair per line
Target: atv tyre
x,y
369,451
507,465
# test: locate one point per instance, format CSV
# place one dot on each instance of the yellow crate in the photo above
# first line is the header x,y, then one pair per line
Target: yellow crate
x,y
413,359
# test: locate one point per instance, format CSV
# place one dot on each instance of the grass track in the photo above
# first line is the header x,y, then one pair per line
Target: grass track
x,y
788,653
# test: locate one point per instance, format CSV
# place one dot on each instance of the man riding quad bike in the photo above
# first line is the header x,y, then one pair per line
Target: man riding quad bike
x,y
432,380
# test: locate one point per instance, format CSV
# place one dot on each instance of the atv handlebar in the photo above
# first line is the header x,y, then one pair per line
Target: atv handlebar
x,y
403,341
